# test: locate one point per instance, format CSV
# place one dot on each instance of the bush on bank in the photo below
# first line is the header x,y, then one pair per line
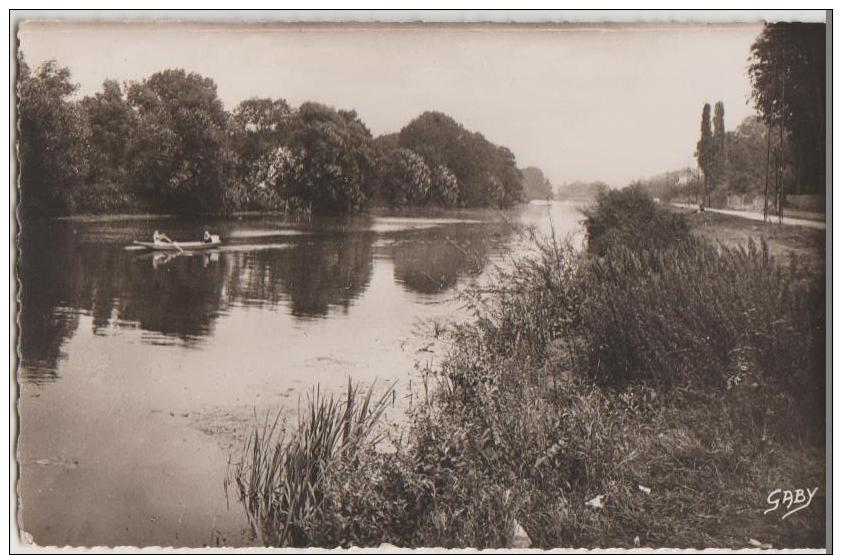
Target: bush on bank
x,y
628,217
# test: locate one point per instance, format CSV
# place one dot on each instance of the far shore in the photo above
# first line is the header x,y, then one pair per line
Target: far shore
x,y
151,216
374,210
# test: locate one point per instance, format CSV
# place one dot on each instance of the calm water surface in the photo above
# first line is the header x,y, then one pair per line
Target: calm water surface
x,y
140,372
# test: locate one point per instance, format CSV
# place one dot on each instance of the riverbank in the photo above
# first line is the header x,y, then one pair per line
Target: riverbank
x,y
129,216
297,216
673,385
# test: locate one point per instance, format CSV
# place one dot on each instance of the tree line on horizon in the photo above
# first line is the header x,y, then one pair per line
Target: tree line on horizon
x,y
167,144
581,190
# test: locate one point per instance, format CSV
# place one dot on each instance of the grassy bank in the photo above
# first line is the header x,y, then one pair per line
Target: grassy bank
x,y
802,247
652,391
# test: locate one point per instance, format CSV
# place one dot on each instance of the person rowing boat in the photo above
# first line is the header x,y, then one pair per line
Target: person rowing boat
x,y
161,242
159,238
207,237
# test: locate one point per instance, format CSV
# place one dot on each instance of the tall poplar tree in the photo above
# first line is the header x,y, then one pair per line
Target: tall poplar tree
x,y
720,152
705,149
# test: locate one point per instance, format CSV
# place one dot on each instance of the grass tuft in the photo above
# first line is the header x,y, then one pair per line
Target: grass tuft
x,y
281,476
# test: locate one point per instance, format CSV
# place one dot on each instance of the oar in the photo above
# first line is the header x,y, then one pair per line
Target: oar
x,y
180,250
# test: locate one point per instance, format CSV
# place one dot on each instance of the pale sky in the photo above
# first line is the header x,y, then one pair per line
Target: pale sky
x,y
610,103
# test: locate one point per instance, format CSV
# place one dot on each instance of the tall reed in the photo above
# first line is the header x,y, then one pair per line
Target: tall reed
x,y
281,473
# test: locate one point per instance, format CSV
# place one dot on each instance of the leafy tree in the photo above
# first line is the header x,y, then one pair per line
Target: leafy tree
x,y
404,178
788,76
258,127
278,175
336,158
386,142
666,185
181,156
747,156
444,187
486,173
261,125
511,179
112,123
265,117
535,185
51,137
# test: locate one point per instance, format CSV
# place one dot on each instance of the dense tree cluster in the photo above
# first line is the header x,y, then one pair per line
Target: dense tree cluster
x,y
536,186
486,173
53,139
581,190
167,143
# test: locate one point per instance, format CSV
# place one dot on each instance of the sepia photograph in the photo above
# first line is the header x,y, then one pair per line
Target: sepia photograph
x,y
453,280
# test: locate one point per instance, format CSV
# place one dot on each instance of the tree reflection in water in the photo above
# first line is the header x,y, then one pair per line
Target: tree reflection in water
x,y
312,275
433,261
72,269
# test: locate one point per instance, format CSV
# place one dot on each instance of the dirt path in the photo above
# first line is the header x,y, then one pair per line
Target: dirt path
x,y
757,216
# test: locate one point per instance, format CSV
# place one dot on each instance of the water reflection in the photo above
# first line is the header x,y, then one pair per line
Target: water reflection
x,y
44,290
180,299
166,358
434,262
317,270
312,276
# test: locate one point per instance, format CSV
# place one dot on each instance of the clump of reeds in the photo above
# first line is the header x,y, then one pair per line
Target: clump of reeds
x,y
281,475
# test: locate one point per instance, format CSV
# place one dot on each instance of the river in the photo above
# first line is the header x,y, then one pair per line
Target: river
x,y
139,373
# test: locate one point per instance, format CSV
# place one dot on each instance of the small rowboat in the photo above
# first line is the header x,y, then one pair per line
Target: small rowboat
x,y
179,246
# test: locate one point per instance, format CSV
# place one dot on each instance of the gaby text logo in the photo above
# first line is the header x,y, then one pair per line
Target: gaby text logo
x,y
785,499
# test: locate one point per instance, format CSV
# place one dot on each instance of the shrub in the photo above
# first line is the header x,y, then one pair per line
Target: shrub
x,y
629,217
681,369
695,313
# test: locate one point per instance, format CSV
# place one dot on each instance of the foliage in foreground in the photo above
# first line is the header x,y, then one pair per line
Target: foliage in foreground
x,y
650,396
